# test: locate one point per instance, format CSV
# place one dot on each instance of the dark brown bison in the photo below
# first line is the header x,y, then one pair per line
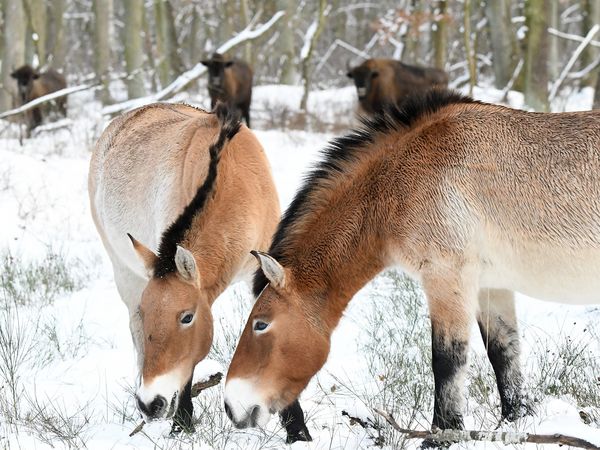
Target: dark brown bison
x,y
33,84
382,81
230,81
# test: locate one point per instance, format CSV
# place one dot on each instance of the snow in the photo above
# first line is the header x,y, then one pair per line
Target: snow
x,y
85,371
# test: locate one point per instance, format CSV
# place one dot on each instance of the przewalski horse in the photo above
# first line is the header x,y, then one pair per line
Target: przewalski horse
x,y
196,189
33,84
474,200
230,81
382,81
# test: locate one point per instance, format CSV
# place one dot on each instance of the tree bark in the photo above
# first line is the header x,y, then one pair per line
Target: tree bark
x,y
134,56
590,18
596,104
55,46
289,75
35,11
501,40
536,57
469,52
309,48
13,52
169,64
440,33
103,12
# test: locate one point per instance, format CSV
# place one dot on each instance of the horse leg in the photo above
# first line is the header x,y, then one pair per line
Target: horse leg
x,y
182,421
292,418
452,300
498,325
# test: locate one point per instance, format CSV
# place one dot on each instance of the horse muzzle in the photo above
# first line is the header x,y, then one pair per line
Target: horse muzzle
x,y
243,406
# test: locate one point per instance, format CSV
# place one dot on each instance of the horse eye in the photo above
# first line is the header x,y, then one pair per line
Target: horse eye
x,y
187,318
260,326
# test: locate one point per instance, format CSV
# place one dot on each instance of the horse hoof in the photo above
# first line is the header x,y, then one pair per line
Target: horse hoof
x,y
301,435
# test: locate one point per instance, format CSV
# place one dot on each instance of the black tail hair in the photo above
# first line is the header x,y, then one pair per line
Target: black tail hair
x,y
229,120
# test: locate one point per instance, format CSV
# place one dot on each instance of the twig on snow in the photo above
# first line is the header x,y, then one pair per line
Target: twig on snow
x,y
197,388
506,437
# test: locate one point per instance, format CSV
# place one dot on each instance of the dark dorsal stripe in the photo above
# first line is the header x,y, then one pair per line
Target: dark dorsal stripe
x,y
174,235
347,148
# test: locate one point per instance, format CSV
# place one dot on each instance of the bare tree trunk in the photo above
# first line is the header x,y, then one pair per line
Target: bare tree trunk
x,y
596,104
103,13
312,35
440,33
553,56
35,11
536,57
13,52
590,54
169,64
286,49
245,16
55,46
501,40
134,56
469,53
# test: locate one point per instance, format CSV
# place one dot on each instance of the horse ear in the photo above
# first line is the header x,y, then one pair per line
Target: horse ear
x,y
147,256
274,272
186,265
228,63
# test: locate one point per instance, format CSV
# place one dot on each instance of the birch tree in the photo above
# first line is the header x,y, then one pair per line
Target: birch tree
x,y
36,17
591,16
287,52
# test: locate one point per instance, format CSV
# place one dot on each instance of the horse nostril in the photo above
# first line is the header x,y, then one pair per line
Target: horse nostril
x,y
254,415
228,412
157,406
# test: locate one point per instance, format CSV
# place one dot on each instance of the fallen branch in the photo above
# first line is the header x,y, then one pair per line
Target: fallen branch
x,y
197,388
506,437
572,60
46,98
183,80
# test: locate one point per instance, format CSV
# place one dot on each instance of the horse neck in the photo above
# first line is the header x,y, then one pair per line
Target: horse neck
x,y
340,247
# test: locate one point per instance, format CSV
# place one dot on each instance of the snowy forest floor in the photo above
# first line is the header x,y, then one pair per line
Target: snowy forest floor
x,y
66,357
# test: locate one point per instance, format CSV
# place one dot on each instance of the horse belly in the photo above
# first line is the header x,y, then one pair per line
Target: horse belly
x,y
553,274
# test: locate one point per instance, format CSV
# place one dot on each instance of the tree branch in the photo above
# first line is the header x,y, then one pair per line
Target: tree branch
x,y
506,437
183,80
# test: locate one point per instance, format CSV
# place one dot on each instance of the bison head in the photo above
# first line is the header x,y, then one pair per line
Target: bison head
x,y
363,78
216,70
25,76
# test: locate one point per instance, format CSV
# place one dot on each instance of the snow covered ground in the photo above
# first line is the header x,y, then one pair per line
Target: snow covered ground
x,y
66,358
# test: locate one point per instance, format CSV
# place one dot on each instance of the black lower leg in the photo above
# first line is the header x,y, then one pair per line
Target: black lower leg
x,y
502,344
182,421
292,418
448,360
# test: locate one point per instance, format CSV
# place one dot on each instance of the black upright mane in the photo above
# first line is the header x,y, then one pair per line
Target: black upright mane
x,y
348,148
173,236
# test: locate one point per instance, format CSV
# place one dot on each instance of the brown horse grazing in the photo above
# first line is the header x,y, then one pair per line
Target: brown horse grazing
x,y
32,85
475,200
196,188
383,81
230,81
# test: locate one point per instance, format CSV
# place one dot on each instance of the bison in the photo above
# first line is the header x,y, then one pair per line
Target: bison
x,y
382,81
33,84
230,81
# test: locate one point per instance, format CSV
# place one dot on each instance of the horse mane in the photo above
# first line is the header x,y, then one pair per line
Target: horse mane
x,y
174,234
343,150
